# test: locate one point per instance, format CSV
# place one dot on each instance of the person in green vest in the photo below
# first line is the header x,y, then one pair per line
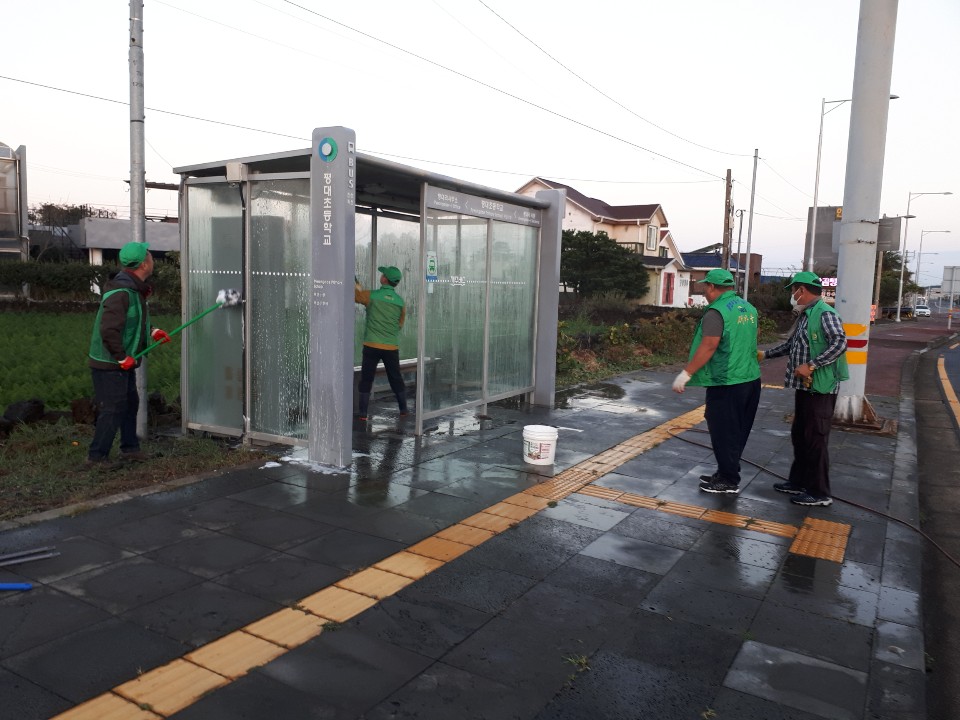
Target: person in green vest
x,y
120,331
381,337
816,363
723,359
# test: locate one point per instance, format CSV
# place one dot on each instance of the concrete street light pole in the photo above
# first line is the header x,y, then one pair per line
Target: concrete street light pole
x,y
811,241
859,227
903,249
920,251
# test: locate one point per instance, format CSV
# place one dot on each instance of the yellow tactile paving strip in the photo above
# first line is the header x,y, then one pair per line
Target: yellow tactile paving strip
x,y
948,390
168,689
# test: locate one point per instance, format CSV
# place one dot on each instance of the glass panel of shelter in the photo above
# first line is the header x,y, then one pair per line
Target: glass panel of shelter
x,y
214,348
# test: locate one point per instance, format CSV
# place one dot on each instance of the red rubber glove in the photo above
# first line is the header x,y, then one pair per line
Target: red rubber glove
x,y
159,335
127,363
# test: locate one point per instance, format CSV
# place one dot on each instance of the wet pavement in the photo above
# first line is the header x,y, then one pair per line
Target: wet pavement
x,y
605,585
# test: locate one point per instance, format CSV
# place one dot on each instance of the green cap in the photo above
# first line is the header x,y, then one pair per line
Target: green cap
x,y
391,273
133,253
719,276
805,278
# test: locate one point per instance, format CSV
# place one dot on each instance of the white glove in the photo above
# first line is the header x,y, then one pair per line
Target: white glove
x,y
680,382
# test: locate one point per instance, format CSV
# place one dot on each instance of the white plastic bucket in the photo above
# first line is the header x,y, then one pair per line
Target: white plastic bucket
x,y
539,444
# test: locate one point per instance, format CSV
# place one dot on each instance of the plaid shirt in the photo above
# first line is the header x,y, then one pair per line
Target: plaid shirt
x,y
797,348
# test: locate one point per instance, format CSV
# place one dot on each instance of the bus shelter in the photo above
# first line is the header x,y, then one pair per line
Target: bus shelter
x,y
293,230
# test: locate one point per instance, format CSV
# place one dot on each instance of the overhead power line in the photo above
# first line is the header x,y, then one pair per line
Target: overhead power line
x,y
501,91
601,92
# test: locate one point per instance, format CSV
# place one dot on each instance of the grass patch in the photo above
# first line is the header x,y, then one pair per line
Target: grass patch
x,y
41,466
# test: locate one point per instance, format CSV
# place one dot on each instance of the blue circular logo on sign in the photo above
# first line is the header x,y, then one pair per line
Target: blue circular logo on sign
x,y
327,149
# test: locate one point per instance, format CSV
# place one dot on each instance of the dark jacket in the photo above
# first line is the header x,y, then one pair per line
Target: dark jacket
x,y
115,316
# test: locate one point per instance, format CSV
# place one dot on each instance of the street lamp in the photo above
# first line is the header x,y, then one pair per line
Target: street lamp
x,y
808,250
903,248
920,249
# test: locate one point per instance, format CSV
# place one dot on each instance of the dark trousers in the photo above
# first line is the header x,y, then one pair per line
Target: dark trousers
x,y
391,363
731,410
115,394
812,418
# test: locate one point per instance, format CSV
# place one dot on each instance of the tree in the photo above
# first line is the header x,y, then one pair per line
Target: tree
x,y
594,263
50,238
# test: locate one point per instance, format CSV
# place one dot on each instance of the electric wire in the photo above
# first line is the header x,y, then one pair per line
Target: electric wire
x,y
767,470
504,92
770,167
601,92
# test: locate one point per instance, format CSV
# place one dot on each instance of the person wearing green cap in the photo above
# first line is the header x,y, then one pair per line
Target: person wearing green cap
x,y
723,359
816,363
120,331
386,313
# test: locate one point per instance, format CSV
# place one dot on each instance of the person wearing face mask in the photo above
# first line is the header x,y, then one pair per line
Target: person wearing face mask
x,y
816,363
723,359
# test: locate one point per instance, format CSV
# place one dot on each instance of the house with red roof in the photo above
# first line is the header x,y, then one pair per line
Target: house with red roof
x,y
641,228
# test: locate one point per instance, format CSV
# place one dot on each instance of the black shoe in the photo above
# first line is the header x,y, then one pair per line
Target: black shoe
x,y
720,486
789,488
705,479
808,499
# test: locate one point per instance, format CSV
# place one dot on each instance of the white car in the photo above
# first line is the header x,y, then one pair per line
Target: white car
x,y
921,311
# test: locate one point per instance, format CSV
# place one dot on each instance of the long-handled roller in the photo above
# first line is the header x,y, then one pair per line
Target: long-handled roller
x,y
225,298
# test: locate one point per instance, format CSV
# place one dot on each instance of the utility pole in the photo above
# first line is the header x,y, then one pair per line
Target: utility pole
x,y
861,197
739,284
138,201
753,194
727,227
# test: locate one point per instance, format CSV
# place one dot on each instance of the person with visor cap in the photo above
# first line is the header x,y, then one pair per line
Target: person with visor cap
x,y
723,359
816,363
120,331
386,313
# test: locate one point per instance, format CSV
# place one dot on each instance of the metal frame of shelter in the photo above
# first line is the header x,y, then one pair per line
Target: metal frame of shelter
x,y
481,275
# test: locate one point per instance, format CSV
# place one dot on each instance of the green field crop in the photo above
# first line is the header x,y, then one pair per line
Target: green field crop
x,y
43,355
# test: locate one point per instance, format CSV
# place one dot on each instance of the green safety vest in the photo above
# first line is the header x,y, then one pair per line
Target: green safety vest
x,y
383,317
132,328
735,360
825,378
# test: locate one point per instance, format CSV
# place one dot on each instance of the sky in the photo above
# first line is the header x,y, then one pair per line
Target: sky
x,y
629,102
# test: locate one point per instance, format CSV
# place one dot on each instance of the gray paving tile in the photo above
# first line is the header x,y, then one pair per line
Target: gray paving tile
x,y
437,506
399,526
347,549
638,554
347,670
798,681
24,699
127,584
474,585
219,513
620,688
209,555
29,619
723,573
200,614
676,644
278,530
121,647
741,706
537,650
859,576
702,605
825,598
255,697
535,547
420,622
750,550
280,496
655,527
151,533
603,579
901,577
899,606
901,645
77,555
282,578
442,690
829,639
581,512
896,692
